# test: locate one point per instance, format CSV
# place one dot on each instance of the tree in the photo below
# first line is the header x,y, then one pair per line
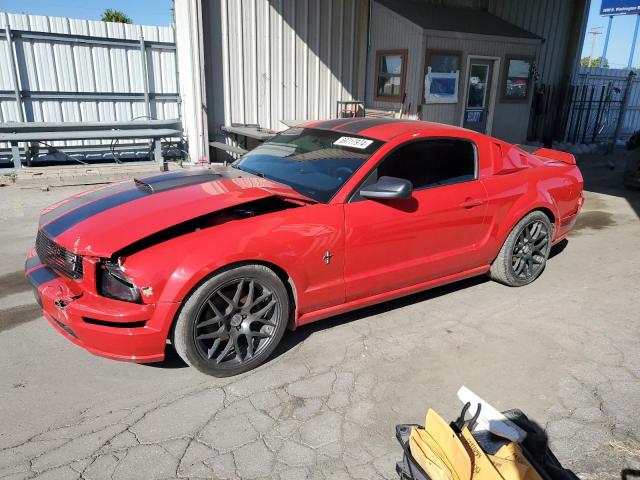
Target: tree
x,y
116,16
593,62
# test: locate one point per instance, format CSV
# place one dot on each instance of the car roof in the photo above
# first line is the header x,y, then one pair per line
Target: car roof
x,y
381,128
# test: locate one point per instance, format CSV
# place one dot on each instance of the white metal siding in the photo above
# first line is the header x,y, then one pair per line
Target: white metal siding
x,y
54,66
283,59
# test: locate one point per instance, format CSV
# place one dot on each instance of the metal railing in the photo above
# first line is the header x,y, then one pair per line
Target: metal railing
x,y
600,108
41,132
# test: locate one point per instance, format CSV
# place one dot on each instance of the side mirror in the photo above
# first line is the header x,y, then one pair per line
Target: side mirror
x,y
388,188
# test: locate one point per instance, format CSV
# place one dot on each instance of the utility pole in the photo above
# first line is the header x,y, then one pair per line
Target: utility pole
x,y
594,36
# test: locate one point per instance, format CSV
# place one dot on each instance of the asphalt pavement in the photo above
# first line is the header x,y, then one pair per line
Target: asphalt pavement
x,y
564,350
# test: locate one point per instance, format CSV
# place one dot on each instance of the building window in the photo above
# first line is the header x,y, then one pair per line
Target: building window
x,y
442,77
516,79
391,73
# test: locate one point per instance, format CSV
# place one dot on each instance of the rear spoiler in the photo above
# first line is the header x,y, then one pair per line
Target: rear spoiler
x,y
555,155
550,154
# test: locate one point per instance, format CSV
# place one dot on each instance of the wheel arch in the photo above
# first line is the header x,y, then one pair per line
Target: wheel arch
x,y
537,199
547,211
544,207
280,272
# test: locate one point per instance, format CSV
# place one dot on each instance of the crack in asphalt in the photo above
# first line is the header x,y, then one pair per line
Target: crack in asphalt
x,y
326,406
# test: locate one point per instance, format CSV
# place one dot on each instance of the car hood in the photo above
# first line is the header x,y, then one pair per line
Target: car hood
x,y
101,222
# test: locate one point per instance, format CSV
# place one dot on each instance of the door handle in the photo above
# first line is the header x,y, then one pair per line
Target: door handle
x,y
472,202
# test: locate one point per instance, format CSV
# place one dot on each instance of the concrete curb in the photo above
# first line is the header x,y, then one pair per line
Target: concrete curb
x,y
69,175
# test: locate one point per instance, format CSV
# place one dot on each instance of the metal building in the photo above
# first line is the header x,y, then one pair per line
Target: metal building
x,y
268,63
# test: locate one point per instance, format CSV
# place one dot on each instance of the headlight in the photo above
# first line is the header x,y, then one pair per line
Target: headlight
x,y
113,283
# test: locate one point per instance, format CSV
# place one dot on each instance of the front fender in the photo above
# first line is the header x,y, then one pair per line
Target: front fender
x,y
172,269
294,241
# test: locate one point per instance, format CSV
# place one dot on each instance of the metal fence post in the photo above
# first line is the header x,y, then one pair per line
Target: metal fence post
x,y
623,111
145,76
15,151
14,73
15,155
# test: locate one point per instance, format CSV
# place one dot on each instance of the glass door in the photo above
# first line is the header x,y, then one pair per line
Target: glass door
x,y
478,99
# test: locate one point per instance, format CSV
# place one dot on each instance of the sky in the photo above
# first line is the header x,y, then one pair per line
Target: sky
x,y
620,40
146,12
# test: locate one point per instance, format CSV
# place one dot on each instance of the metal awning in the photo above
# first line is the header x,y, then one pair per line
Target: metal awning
x,y
456,19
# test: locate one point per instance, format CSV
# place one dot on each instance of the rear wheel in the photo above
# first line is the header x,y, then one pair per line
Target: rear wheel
x,y
233,321
525,251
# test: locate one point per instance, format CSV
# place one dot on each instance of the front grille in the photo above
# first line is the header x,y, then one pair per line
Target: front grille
x,y
58,258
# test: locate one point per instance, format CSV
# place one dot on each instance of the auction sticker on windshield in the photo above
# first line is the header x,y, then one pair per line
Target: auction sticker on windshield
x,y
353,142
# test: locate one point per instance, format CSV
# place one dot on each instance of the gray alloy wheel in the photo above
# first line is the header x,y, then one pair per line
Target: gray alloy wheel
x,y
233,321
525,251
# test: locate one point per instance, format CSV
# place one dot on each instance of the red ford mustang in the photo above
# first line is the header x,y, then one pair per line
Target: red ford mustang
x,y
322,219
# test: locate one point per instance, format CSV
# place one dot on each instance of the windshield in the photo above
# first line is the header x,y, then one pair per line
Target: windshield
x,y
315,163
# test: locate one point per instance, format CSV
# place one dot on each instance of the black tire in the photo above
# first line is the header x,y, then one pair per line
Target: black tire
x,y
524,253
233,321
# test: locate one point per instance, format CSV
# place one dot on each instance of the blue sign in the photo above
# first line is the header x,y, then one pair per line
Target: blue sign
x,y
474,116
620,7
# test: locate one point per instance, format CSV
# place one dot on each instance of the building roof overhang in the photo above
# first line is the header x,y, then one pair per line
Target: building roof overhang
x,y
457,19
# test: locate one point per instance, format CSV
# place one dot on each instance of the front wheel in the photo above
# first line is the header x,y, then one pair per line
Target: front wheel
x,y
524,254
233,321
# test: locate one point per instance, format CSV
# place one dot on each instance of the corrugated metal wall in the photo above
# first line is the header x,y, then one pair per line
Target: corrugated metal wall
x,y
557,21
193,100
273,60
72,70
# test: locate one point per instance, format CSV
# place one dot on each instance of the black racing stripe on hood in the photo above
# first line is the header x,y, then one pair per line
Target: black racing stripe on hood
x,y
65,222
41,275
361,125
169,181
77,202
146,186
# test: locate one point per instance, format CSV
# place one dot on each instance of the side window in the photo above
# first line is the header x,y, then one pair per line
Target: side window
x,y
431,163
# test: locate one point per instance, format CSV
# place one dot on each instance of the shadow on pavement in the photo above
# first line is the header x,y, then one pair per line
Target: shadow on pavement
x,y
628,474
293,338
605,174
171,360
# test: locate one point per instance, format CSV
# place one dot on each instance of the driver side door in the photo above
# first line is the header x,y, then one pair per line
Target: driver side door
x,y
396,243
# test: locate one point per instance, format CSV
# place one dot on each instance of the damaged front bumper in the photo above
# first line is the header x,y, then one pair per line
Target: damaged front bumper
x,y
106,327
